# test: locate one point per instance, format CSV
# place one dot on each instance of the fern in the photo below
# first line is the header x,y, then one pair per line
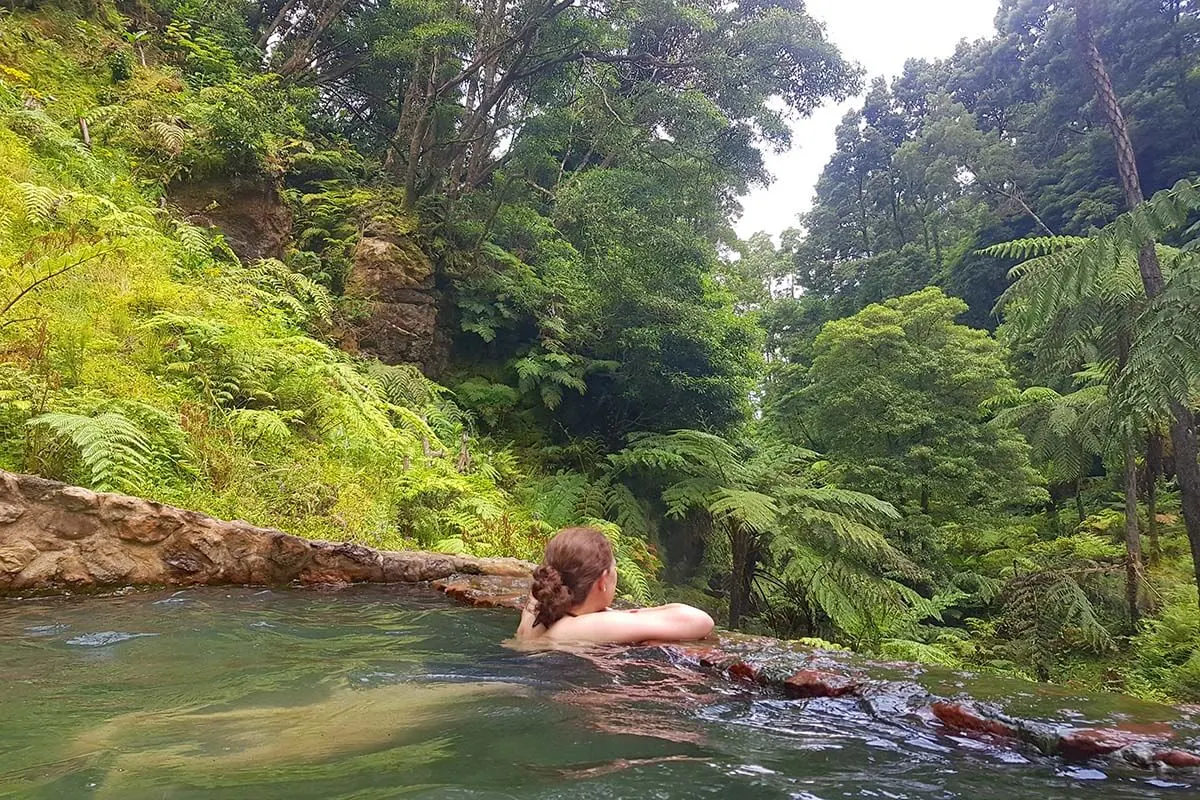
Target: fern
x,y
256,427
171,135
1026,249
194,241
1079,298
405,385
114,452
273,283
40,202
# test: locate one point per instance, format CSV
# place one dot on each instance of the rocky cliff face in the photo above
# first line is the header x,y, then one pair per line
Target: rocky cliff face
x,y
394,278
56,537
249,213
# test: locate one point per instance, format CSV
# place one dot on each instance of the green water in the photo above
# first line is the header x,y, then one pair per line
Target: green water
x,y
382,693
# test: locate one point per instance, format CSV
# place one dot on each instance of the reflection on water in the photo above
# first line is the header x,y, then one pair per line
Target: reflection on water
x,y
381,693
244,744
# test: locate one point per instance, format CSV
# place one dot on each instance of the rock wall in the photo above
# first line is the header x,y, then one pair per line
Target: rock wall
x,y
394,278
250,213
55,537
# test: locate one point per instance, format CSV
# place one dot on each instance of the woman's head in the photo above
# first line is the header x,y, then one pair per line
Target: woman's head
x,y
578,566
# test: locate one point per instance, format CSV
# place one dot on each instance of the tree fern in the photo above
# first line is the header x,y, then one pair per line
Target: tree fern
x,y
1076,294
824,539
1026,249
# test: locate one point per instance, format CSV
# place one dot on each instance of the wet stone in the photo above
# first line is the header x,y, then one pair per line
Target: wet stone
x,y
815,683
485,591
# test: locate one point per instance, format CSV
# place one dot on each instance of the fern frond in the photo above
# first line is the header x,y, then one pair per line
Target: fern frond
x,y
261,426
113,451
40,202
1026,249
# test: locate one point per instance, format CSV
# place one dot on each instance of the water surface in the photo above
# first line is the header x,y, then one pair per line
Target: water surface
x,y
386,692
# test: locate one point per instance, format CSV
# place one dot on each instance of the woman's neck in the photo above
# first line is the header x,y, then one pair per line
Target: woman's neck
x,y
589,606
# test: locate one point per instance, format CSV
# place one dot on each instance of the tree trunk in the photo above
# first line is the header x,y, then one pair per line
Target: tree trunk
x,y
1133,544
1187,472
1053,522
420,127
1080,511
284,12
863,222
741,544
1183,427
408,110
1153,467
302,55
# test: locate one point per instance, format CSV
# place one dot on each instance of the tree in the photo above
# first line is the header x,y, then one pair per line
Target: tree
x,y
1183,423
759,497
1065,431
1085,299
895,393
457,91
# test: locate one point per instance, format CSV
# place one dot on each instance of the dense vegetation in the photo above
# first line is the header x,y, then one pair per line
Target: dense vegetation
x,y
936,422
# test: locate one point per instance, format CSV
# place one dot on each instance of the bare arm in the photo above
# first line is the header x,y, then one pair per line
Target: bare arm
x,y
525,629
674,622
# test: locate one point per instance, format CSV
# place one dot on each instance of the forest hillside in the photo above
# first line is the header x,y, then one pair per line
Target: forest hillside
x,y
452,275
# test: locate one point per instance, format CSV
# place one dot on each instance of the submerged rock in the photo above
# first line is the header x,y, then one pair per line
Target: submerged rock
x,y
809,674
963,717
818,683
486,591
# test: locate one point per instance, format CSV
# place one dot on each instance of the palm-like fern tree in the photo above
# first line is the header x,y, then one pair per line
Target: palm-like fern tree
x,y
1146,224
1065,431
762,501
1083,300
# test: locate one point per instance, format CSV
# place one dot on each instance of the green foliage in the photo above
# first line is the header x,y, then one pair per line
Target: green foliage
x,y
567,499
141,356
114,453
896,392
1167,650
565,197
816,548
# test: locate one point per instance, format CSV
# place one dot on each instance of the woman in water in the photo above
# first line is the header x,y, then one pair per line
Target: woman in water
x,y
577,580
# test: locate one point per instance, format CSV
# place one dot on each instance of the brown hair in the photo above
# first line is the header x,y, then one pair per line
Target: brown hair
x,y
575,559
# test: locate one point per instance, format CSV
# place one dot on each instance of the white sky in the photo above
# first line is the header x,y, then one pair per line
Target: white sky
x,y
881,35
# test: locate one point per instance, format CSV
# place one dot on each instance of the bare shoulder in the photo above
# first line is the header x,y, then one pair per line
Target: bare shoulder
x,y
668,623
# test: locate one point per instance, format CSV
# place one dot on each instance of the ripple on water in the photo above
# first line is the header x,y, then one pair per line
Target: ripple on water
x,y
177,599
635,723
105,638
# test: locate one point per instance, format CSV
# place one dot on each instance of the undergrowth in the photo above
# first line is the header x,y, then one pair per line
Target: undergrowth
x,y
138,354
